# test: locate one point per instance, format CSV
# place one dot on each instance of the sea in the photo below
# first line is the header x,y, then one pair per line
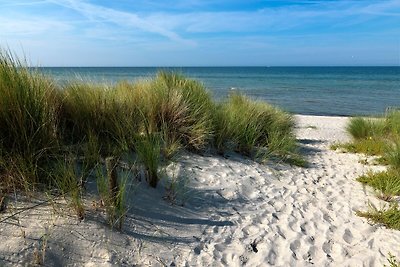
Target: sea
x,y
334,91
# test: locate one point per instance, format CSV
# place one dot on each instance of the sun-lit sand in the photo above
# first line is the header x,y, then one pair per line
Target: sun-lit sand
x,y
236,212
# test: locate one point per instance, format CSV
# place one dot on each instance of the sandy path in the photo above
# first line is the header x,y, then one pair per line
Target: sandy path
x,y
236,213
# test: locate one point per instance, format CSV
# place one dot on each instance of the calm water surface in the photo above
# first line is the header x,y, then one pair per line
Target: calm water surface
x,y
304,90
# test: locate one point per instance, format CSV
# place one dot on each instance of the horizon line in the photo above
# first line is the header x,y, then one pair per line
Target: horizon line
x,y
231,66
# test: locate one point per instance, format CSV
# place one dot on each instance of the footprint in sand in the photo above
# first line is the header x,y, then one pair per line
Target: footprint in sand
x,y
294,246
327,246
348,236
271,258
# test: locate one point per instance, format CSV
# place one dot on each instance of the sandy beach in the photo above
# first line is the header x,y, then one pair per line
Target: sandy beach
x,y
226,212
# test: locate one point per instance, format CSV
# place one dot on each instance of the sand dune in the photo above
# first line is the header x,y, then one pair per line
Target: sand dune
x,y
236,213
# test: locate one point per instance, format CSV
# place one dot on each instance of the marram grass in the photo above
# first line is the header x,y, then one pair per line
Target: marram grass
x,y
387,183
253,128
28,108
84,122
389,216
379,137
29,105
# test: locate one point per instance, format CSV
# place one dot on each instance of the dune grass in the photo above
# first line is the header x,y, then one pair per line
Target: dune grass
x,y
57,135
29,106
389,216
379,137
254,129
392,260
90,108
387,183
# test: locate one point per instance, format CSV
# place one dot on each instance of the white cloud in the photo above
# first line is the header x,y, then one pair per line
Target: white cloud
x,y
21,26
121,18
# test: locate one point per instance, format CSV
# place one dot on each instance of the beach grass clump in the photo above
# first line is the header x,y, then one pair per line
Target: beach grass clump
x,y
253,128
66,180
369,146
29,105
363,128
113,192
380,137
387,216
392,155
148,149
181,109
177,108
98,109
386,183
28,108
393,122
21,172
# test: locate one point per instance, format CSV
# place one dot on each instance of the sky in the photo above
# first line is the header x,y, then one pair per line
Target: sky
x,y
202,32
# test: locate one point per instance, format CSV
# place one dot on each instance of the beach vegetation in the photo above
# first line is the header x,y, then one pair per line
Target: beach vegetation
x,y
253,128
148,148
370,146
392,260
386,183
29,107
180,109
67,182
392,155
112,189
361,128
379,137
90,108
387,216
57,136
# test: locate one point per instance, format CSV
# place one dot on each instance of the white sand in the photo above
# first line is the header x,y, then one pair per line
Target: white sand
x,y
236,212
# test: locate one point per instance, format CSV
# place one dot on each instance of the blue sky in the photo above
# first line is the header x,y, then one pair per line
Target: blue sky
x,y
202,32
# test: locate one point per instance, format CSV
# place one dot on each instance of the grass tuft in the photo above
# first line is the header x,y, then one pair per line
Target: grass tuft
x,y
386,183
389,217
148,148
253,128
56,136
361,128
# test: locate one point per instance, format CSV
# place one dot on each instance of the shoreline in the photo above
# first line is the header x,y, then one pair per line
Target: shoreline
x,y
236,212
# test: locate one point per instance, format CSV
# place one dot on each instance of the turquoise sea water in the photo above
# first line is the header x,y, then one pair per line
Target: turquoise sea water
x,y
339,91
